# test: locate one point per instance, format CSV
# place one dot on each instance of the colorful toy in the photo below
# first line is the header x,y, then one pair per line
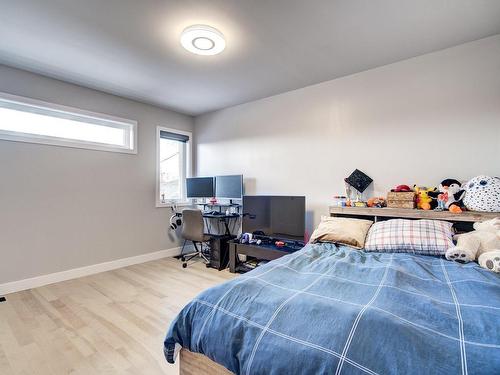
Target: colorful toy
x,y
449,195
376,202
455,209
250,239
482,193
424,200
482,244
401,188
441,200
359,204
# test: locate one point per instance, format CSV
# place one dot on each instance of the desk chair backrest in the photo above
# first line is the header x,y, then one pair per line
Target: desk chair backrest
x,y
193,225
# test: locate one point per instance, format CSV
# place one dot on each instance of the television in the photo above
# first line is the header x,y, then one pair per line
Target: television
x,y
280,217
200,187
229,187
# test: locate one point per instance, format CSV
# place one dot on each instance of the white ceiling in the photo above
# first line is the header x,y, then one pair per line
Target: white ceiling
x,y
131,47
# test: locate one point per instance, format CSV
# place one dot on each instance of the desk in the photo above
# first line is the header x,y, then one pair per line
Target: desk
x,y
223,218
219,206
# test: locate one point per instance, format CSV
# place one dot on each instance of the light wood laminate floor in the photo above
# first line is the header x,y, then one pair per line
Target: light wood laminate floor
x,y
109,323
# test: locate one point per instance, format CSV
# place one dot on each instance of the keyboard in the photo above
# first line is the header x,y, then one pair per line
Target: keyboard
x,y
216,213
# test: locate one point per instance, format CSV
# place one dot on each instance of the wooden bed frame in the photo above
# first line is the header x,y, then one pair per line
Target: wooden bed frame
x,y
195,364
198,364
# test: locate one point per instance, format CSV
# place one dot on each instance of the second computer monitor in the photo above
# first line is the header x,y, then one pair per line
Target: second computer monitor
x,y
200,187
229,187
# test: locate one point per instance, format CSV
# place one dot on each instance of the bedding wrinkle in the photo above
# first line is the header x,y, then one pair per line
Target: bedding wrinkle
x,y
415,291
463,353
427,271
278,310
270,267
403,320
287,337
358,318
241,281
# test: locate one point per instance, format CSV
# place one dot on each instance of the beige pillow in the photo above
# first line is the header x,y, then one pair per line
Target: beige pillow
x,y
342,230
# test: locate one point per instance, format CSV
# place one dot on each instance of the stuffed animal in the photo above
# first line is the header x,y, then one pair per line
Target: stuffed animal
x,y
376,202
482,244
424,200
449,195
482,193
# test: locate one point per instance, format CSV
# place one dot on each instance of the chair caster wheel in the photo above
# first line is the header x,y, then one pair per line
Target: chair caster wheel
x,y
183,258
184,265
207,265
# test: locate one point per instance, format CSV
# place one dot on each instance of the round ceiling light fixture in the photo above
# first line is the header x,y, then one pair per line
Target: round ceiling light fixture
x,y
203,40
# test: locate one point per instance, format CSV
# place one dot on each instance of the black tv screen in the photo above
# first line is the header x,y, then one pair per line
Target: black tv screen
x,y
281,217
200,187
229,187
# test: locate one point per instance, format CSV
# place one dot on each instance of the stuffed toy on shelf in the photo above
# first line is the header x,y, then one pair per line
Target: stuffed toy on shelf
x,y
376,202
425,201
449,195
482,244
482,193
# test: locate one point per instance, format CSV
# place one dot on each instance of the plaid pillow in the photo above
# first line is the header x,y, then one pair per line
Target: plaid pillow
x,y
430,237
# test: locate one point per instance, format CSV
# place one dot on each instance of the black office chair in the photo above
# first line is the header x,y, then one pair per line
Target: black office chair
x,y
193,230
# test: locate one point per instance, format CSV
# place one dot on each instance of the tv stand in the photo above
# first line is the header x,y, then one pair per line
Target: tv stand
x,y
263,252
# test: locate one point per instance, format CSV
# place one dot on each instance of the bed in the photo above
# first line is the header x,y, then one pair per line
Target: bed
x,y
332,309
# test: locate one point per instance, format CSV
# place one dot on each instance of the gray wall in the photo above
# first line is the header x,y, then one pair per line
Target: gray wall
x,y
62,208
416,121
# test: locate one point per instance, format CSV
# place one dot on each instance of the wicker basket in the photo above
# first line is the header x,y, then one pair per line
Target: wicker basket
x,y
401,199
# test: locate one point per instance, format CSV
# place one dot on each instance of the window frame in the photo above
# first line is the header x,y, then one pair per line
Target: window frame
x,y
188,170
71,113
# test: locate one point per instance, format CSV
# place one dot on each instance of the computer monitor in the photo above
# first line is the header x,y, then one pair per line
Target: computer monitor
x,y
229,187
200,187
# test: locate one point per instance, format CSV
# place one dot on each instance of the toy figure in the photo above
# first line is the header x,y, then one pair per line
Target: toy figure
x,y
449,195
376,202
424,199
441,200
401,188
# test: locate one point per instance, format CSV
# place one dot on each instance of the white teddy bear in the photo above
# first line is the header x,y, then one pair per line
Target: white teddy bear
x,y
482,244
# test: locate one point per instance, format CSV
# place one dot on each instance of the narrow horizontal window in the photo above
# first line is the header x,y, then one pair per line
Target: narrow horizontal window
x,y
28,120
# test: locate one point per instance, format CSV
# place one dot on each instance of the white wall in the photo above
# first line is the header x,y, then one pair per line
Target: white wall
x,y
62,208
416,121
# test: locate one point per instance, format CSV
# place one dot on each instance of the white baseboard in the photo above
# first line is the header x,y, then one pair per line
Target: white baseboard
x,y
37,281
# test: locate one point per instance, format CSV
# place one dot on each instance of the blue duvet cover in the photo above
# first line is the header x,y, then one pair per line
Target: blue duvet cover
x,y
329,310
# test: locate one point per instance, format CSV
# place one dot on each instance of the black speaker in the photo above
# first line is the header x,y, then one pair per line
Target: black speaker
x,y
219,251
